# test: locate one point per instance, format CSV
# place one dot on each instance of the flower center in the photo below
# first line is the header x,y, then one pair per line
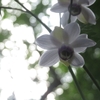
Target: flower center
x,y
75,9
65,52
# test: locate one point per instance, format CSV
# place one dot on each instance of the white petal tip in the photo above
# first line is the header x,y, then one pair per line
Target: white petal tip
x,y
79,65
52,10
94,23
94,43
42,65
77,60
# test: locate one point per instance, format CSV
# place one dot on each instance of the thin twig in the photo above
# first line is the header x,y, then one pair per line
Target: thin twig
x,y
53,85
34,16
56,79
71,71
69,20
78,87
93,79
2,7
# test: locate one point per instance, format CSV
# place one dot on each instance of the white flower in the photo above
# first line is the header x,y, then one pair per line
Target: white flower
x,y
64,45
79,10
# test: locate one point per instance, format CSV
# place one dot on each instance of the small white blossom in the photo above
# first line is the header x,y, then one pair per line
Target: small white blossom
x,y
64,45
79,10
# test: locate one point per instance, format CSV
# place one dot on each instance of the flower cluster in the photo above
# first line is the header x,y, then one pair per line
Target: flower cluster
x,y
79,10
65,44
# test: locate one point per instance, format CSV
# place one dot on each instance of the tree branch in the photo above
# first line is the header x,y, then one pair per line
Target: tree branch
x,y
93,79
53,85
34,16
2,7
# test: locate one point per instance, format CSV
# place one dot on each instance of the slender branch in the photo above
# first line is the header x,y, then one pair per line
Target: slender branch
x,y
2,7
34,16
78,87
93,79
71,71
56,78
69,20
53,85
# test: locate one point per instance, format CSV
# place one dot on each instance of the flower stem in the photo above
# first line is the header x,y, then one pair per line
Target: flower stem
x,y
11,8
78,87
34,16
2,7
93,79
71,71
69,20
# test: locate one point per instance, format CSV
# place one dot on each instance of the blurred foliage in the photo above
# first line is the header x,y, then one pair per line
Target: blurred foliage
x,y
92,58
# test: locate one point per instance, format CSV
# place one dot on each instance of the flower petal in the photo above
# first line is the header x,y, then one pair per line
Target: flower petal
x,y
63,1
45,42
82,19
83,36
73,31
60,35
77,60
80,49
91,2
49,58
87,16
65,17
59,8
85,2
83,42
